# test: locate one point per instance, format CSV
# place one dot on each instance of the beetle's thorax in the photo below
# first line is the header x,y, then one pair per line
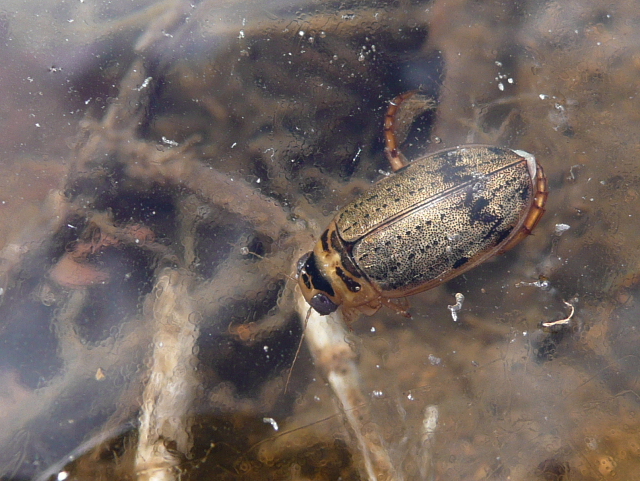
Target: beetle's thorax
x,y
335,262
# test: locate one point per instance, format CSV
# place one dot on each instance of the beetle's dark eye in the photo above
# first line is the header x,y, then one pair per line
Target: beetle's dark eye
x,y
322,304
302,261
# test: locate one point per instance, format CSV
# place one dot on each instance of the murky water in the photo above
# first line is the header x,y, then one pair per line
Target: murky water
x,y
164,166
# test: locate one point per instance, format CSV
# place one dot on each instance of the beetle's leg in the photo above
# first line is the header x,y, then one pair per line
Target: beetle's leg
x,y
402,111
366,309
351,314
400,305
395,157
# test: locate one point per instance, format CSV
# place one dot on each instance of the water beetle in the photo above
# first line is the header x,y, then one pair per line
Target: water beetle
x,y
432,220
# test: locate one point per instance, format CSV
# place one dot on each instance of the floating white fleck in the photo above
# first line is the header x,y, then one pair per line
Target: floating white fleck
x,y
144,84
271,421
456,307
170,142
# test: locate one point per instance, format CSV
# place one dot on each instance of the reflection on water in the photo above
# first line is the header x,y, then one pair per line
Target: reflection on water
x,y
165,166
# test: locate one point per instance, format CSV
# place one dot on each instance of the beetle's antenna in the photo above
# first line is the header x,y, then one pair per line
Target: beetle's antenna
x,y
304,328
263,258
292,279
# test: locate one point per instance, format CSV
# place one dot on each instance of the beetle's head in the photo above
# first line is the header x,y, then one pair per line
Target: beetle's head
x,y
315,287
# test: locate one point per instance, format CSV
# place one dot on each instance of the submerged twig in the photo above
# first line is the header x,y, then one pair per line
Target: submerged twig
x,y
164,435
327,340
